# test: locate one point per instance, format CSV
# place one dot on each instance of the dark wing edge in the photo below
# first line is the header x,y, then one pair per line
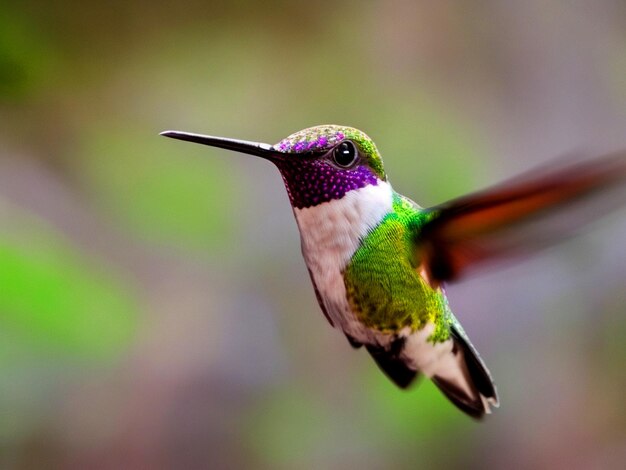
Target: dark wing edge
x,y
320,301
390,362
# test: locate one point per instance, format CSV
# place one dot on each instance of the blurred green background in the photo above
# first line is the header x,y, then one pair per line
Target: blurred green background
x,y
154,308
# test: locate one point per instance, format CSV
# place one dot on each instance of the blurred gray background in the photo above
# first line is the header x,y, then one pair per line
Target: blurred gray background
x,y
155,311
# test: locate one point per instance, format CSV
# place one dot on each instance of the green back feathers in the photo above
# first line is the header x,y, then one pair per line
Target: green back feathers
x,y
382,281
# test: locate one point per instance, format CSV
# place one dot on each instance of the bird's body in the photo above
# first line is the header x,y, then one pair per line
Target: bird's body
x,y
370,284
378,261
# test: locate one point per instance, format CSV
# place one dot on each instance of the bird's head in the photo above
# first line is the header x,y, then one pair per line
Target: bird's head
x,y
318,164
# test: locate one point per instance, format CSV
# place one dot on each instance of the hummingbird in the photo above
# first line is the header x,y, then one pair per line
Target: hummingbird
x,y
379,262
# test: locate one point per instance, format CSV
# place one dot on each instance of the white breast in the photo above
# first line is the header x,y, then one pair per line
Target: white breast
x,y
331,232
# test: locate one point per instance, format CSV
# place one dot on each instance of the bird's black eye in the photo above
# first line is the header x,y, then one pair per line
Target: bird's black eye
x,y
345,154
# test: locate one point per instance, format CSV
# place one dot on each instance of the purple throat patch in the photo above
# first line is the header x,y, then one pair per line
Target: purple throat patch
x,y
313,182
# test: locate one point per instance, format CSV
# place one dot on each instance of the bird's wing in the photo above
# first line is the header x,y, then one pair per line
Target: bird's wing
x,y
519,216
392,364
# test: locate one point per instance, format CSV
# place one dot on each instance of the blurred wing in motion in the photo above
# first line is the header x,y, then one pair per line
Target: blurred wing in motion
x,y
519,216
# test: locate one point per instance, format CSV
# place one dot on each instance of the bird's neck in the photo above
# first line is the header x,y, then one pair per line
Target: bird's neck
x,y
332,231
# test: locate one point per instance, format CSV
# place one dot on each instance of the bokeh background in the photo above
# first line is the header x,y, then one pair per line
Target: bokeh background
x,y
154,308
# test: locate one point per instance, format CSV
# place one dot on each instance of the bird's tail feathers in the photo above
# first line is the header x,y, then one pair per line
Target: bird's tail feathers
x,y
454,366
464,379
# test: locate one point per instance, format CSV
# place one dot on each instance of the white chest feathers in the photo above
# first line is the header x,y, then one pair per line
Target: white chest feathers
x,y
330,233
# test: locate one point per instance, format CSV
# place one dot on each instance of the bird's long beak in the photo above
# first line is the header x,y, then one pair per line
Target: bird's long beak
x,y
259,149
